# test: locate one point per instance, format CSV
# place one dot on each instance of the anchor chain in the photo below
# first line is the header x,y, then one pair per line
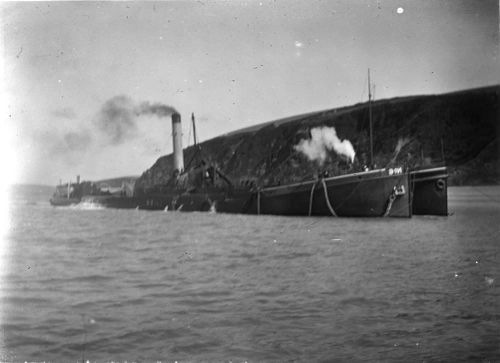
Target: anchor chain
x,y
392,198
396,192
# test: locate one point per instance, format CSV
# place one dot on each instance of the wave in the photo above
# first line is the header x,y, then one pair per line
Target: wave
x,y
88,206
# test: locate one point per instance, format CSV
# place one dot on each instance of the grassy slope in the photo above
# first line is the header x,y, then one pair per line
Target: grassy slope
x,y
464,124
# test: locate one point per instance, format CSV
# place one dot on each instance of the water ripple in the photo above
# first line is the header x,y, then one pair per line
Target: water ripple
x,y
134,285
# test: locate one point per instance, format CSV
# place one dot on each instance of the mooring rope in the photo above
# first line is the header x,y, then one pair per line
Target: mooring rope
x,y
328,199
311,196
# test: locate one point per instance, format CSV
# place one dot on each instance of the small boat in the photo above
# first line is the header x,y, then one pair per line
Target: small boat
x,y
58,201
65,195
100,193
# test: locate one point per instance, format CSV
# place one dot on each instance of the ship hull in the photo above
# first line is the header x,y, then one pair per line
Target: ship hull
x,y
430,191
219,201
366,194
369,194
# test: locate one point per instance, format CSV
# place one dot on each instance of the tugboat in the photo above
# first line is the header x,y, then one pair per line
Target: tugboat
x,y
105,195
66,194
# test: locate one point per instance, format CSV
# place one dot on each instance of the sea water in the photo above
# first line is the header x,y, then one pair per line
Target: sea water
x,y
86,283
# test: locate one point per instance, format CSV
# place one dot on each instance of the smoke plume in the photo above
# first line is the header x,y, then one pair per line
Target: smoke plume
x,y
322,140
77,140
117,119
157,109
53,145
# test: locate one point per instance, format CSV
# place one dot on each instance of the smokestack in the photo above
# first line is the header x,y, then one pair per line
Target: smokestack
x,y
78,179
177,140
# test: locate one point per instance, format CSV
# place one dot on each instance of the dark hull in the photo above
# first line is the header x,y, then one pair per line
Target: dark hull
x,y
63,202
220,201
430,191
367,194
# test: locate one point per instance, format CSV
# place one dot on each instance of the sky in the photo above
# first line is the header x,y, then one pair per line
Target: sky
x,y
86,86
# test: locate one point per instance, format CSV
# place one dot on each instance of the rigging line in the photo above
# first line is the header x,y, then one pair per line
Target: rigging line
x,y
365,80
189,134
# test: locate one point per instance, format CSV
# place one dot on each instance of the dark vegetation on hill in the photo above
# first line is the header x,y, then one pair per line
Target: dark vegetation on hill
x,y
458,129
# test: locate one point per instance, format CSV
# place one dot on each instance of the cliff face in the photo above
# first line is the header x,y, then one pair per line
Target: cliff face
x,y
461,126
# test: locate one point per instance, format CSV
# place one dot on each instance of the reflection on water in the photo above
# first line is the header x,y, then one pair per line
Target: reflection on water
x,y
133,285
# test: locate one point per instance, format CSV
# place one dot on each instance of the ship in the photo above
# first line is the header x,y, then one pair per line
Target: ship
x,y
104,193
111,193
66,194
203,187
393,192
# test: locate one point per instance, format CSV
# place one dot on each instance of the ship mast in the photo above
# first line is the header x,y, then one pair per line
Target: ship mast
x,y
194,128
370,119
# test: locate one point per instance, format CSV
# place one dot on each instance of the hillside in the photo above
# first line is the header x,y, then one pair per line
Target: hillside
x,y
117,182
459,129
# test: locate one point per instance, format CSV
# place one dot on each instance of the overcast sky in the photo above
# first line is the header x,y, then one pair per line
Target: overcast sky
x,y
75,73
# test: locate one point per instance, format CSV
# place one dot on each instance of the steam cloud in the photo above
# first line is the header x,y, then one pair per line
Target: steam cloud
x,y
402,142
118,116
322,140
